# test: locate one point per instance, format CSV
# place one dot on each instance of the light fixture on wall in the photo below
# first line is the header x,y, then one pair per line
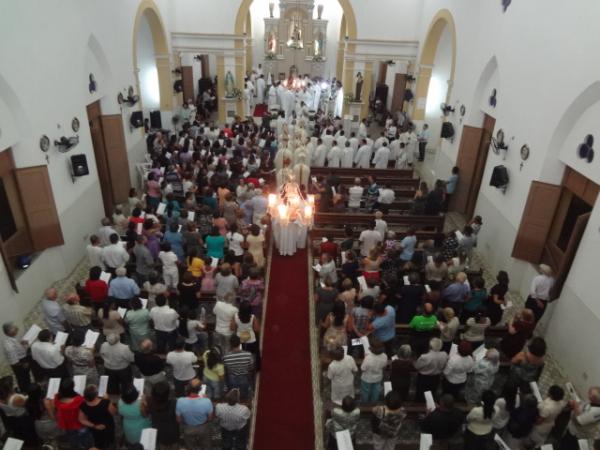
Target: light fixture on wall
x,y
92,85
177,70
493,98
585,149
131,98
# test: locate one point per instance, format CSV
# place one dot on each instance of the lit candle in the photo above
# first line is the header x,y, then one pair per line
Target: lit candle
x,y
282,212
311,199
308,211
272,200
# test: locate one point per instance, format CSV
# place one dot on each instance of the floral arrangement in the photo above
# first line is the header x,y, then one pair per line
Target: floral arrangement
x,y
270,56
318,58
237,94
349,98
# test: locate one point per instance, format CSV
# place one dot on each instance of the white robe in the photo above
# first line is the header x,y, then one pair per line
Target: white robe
x,y
316,98
302,173
320,156
260,91
247,102
334,157
272,96
381,158
363,157
347,157
339,103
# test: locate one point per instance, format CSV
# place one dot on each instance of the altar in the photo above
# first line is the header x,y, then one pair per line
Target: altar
x,y
295,38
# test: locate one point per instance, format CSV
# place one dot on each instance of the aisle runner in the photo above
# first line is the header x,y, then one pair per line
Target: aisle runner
x,y
285,406
260,110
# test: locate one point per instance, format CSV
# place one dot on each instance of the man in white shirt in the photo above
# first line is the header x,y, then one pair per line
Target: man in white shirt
x,y
235,241
117,359
341,139
182,363
53,313
382,155
334,156
430,366
423,139
347,156
94,252
48,356
114,255
539,294
380,141
224,312
15,353
165,321
369,239
363,156
386,198
105,231
355,194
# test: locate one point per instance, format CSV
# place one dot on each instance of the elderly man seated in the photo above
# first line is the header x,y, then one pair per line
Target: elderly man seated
x,y
123,288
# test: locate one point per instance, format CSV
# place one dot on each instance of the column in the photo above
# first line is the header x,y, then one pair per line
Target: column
x,y
366,89
239,81
221,87
163,67
421,92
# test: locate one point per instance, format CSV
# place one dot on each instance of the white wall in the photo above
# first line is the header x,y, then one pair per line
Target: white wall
x,y
148,74
543,80
43,87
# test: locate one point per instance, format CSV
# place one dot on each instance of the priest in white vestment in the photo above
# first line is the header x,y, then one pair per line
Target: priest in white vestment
x,y
260,90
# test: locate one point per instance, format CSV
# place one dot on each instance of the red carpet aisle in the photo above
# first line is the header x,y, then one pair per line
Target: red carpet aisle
x,y
260,110
285,406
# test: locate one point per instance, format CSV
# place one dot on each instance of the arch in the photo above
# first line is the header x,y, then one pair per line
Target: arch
x,y
490,70
150,11
346,6
95,53
438,24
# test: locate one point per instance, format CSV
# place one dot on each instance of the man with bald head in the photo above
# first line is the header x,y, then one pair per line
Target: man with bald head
x,y
585,416
53,312
150,364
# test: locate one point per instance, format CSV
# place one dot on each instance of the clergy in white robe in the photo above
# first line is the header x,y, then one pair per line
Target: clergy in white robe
x,y
402,159
301,156
280,94
347,156
320,155
334,156
354,142
272,96
412,146
362,129
316,99
283,155
394,149
382,155
363,156
247,102
339,102
380,140
289,103
260,90
302,173
328,139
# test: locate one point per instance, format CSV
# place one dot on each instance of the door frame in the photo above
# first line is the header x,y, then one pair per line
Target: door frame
x,y
94,112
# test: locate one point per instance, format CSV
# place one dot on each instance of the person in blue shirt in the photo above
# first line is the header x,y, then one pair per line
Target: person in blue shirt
x,y
451,187
384,326
194,414
456,294
408,245
122,288
175,238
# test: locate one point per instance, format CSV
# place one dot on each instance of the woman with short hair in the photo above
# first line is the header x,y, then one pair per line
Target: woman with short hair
x,y
482,377
388,422
133,410
458,366
97,413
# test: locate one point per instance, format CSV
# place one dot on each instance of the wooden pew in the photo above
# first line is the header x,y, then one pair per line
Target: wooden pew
x,y
393,182
418,222
318,233
362,173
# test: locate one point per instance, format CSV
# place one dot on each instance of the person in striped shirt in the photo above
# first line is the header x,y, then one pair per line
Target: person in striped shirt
x,y
239,366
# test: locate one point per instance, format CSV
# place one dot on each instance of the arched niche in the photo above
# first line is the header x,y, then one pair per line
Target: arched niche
x,y
488,80
443,20
149,11
96,63
14,123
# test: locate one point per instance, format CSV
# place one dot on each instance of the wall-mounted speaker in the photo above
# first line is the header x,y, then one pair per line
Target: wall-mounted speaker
x,y
137,119
155,120
79,165
178,86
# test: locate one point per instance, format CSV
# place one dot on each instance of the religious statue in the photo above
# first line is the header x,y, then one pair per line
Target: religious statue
x,y
271,43
359,85
271,9
295,32
229,84
319,45
320,11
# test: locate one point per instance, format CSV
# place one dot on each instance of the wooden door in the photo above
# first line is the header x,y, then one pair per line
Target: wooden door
x,y
486,138
569,255
94,112
399,90
187,79
467,162
536,221
382,75
205,67
39,207
116,157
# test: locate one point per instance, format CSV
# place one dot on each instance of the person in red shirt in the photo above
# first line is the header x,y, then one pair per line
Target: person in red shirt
x,y
96,288
329,246
66,412
136,216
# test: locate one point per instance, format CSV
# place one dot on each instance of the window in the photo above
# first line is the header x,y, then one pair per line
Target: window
x,y
7,222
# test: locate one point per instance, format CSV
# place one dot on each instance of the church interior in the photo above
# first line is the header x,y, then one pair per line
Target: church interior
x,y
263,93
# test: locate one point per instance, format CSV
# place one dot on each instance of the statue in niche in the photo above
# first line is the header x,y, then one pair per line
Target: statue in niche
x,y
295,33
359,85
271,43
229,84
319,45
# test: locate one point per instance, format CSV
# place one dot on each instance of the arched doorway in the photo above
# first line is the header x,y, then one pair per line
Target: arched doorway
x,y
152,70
442,26
349,28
